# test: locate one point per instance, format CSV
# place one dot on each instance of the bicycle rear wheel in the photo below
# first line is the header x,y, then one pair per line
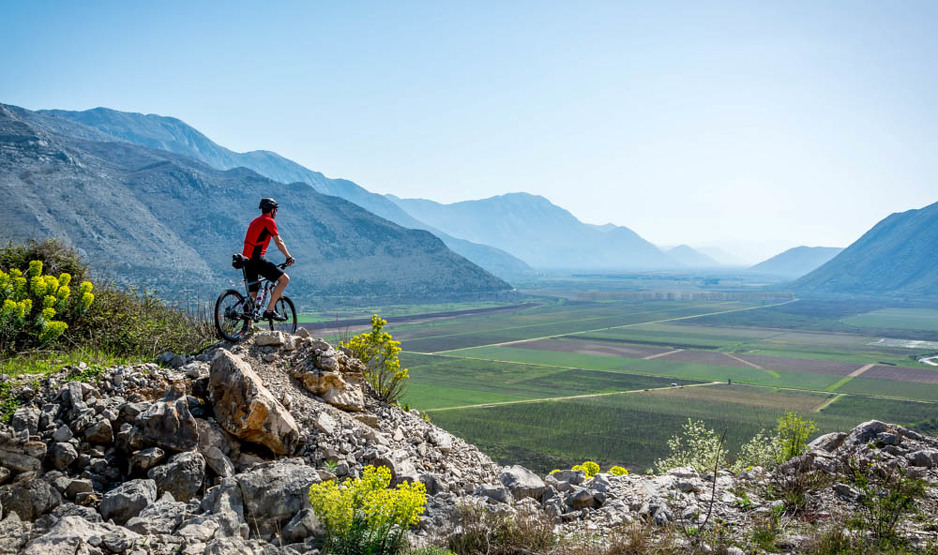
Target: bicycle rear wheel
x,y
230,319
285,307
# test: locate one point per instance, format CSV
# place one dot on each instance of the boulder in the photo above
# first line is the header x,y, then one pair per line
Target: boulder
x,y
73,534
274,492
100,432
246,409
146,459
303,525
127,500
13,534
161,517
522,482
182,476
270,339
26,420
339,390
29,498
199,529
494,493
226,503
926,458
16,459
228,546
168,422
62,455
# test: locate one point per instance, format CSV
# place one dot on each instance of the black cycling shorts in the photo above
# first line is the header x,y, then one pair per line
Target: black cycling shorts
x,y
260,266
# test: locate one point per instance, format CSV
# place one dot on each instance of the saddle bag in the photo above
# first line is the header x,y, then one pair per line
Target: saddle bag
x,y
238,261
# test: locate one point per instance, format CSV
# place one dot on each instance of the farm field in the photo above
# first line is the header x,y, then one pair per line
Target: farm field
x,y
897,318
555,384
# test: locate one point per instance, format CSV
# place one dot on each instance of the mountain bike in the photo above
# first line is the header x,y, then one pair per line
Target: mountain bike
x,y
234,311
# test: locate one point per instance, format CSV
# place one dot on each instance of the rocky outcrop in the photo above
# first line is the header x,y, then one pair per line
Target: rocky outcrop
x,y
212,455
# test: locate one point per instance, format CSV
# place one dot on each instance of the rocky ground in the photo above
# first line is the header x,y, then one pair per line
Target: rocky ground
x,y
215,454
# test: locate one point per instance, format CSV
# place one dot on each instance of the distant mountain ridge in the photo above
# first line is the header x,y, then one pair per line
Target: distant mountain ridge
x,y
897,258
173,135
691,258
537,231
165,220
797,261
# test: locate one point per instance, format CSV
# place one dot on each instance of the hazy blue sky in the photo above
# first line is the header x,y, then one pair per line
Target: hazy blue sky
x,y
754,125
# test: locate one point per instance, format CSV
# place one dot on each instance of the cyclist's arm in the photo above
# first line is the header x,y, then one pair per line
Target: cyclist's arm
x,y
282,246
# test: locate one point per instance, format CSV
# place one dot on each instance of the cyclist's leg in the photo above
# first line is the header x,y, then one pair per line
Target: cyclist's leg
x,y
278,290
270,271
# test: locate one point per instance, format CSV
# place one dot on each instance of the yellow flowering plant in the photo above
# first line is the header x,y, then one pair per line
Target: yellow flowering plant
x,y
30,303
378,350
364,516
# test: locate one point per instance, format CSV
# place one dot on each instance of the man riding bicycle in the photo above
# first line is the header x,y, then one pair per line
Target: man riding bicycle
x,y
260,232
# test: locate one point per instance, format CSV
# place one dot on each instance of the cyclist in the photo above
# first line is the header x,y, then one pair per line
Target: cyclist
x,y
260,232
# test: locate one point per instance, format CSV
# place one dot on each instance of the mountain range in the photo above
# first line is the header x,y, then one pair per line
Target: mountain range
x,y
796,262
538,232
506,235
897,258
153,217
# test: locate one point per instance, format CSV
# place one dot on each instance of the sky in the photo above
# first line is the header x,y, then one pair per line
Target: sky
x,y
752,126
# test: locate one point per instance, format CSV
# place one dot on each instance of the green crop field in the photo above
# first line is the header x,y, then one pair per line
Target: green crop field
x,y
897,318
572,395
439,381
553,321
658,367
632,429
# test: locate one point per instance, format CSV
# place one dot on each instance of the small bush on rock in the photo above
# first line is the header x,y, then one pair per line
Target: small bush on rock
x,y
364,517
378,350
697,446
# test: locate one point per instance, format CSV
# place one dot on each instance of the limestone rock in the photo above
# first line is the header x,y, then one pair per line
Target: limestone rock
x,y
169,424
29,498
127,500
522,482
161,517
270,339
274,492
73,534
182,476
339,390
246,409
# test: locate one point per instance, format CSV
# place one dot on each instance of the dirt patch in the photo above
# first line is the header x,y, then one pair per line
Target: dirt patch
x,y
591,348
902,374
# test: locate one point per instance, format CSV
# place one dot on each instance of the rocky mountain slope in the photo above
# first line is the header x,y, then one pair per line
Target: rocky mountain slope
x,y
539,232
173,135
897,258
215,454
170,222
797,261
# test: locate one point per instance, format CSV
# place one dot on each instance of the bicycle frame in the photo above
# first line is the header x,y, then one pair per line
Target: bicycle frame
x,y
262,293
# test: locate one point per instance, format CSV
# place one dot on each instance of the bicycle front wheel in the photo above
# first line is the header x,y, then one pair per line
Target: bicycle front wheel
x,y
285,308
231,322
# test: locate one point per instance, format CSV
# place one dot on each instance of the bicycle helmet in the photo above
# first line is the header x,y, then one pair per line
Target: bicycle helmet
x,y
268,204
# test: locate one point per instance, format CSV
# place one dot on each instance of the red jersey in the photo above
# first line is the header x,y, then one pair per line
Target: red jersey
x,y
259,233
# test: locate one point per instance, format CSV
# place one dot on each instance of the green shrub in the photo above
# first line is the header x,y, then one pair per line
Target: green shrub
x,y
378,350
364,517
109,323
886,495
131,323
697,446
793,432
768,450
